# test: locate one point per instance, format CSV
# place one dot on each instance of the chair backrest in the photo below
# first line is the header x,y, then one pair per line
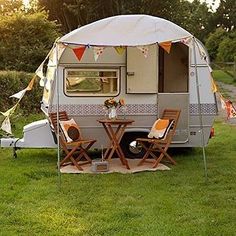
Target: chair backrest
x,y
172,114
64,117
53,118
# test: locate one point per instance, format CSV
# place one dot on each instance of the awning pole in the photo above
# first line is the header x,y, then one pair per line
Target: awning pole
x,y
200,110
58,135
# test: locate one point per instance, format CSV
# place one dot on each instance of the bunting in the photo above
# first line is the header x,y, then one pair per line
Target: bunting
x,y
144,50
222,101
97,51
6,125
120,50
202,53
61,48
31,84
228,106
39,71
79,52
19,95
10,111
230,109
186,41
214,88
166,46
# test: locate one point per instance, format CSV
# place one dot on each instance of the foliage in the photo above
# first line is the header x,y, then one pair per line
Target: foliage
x,y
9,7
71,13
227,48
175,202
59,11
221,45
225,16
196,18
25,40
12,82
213,42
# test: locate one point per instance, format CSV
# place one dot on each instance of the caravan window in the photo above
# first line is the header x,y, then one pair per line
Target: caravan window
x,y
91,82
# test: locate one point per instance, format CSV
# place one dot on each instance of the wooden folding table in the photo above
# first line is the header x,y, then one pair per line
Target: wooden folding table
x,y
115,129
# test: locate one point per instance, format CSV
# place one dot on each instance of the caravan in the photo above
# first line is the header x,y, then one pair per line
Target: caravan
x,y
149,62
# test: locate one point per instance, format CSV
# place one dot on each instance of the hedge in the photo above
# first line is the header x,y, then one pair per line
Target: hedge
x,y
12,82
25,40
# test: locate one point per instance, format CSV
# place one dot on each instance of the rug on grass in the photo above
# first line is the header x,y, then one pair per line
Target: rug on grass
x,y
115,166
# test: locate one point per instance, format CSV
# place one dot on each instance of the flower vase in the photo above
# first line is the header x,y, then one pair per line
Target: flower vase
x,y
112,113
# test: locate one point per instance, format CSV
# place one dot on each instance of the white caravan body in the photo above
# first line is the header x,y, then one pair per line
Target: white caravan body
x,y
149,81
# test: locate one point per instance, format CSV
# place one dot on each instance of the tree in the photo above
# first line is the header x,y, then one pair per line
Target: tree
x,y
58,10
73,13
225,16
196,18
227,48
9,7
213,42
25,40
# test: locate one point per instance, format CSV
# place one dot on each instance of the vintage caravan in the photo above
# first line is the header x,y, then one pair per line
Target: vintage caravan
x,y
150,62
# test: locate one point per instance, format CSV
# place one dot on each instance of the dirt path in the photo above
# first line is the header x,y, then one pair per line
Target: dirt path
x,y
229,92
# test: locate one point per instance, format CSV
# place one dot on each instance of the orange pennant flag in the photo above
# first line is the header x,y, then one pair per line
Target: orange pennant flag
x,y
79,52
31,84
230,109
213,86
166,46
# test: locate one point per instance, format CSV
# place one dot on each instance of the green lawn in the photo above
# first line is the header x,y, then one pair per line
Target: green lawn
x,y
221,76
175,202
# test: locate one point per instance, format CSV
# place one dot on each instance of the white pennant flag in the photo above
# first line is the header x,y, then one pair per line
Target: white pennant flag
x,y
61,49
42,82
10,111
6,125
19,95
97,52
223,105
186,41
39,71
144,50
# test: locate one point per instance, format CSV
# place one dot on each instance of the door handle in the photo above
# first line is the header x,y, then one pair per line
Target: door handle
x,y
130,73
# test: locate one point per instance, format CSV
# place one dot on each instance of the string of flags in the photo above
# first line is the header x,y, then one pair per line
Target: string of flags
x,y
57,50
6,124
226,104
98,51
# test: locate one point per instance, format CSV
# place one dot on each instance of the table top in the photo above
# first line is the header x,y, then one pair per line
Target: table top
x,y
116,121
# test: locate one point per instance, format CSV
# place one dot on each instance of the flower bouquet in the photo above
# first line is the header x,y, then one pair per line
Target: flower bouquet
x,y
111,104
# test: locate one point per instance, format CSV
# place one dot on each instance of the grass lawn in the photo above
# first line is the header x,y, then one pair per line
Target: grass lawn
x,y
175,202
221,76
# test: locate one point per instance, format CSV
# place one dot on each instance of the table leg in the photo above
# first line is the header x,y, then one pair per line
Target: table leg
x,y
116,137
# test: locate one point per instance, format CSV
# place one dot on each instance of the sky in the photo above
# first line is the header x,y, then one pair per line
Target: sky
x,y
209,2
26,2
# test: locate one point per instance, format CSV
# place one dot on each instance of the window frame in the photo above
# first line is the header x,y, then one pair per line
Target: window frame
x,y
117,69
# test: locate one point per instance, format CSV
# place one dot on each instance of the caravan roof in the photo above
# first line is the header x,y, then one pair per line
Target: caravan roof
x,y
126,30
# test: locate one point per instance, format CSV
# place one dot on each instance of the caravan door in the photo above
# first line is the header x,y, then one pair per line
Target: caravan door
x,y
173,86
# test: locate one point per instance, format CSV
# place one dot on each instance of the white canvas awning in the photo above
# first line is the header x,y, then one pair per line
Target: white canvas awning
x,y
126,30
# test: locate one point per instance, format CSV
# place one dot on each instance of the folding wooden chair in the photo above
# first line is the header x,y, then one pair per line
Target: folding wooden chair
x,y
70,148
154,145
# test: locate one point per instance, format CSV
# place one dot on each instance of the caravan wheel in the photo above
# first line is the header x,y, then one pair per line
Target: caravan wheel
x,y
131,148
